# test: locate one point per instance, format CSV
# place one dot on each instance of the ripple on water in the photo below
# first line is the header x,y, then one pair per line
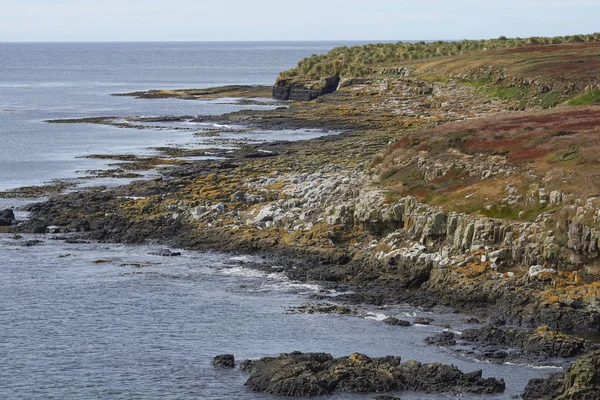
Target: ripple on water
x,y
143,326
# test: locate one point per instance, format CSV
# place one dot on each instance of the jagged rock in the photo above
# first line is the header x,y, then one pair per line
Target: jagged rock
x,y
396,322
224,361
581,382
318,374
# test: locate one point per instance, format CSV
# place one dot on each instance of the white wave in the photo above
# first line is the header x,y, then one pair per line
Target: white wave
x,y
241,258
534,366
375,316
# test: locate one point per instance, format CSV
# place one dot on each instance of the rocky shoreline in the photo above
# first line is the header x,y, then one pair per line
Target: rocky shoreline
x,y
389,209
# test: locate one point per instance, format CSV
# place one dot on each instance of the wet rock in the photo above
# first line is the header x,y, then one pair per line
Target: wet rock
x,y
224,361
319,374
396,322
165,253
385,397
539,344
445,338
423,320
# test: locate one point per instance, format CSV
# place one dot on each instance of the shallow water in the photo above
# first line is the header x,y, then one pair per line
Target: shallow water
x,y
74,329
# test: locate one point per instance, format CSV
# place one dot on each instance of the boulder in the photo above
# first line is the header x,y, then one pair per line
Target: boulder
x,y
224,361
7,217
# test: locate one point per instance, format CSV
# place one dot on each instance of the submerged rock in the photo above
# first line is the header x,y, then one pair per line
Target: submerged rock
x,y
165,253
319,374
396,322
442,339
224,361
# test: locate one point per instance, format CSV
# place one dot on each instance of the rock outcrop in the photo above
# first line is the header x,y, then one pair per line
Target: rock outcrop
x,y
304,90
581,382
319,374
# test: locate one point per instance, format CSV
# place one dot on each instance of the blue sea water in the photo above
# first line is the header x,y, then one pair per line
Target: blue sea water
x,y
71,328
73,80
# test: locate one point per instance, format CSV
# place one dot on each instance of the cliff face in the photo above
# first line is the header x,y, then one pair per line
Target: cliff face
x,y
304,90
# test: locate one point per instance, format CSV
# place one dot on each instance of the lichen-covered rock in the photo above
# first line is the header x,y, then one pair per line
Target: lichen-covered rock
x,y
581,382
318,374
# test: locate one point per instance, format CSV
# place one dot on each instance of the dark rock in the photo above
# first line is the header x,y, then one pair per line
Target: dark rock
x,y
442,339
539,344
165,253
224,361
318,374
544,389
385,397
472,320
423,320
7,217
396,322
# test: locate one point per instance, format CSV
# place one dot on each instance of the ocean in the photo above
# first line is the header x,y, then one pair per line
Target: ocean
x,y
111,321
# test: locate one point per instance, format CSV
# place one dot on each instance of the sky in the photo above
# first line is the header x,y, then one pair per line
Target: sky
x,y
279,20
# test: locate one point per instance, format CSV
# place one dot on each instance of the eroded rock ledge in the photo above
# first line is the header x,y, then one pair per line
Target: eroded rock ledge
x,y
319,374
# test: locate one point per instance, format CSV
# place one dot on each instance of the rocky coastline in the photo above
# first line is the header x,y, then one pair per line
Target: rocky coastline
x,y
393,211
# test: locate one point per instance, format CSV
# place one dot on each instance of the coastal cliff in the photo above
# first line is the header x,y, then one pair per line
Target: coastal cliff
x,y
466,181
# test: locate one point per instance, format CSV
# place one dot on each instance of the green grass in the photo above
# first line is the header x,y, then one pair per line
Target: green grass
x,y
585,99
550,99
357,61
